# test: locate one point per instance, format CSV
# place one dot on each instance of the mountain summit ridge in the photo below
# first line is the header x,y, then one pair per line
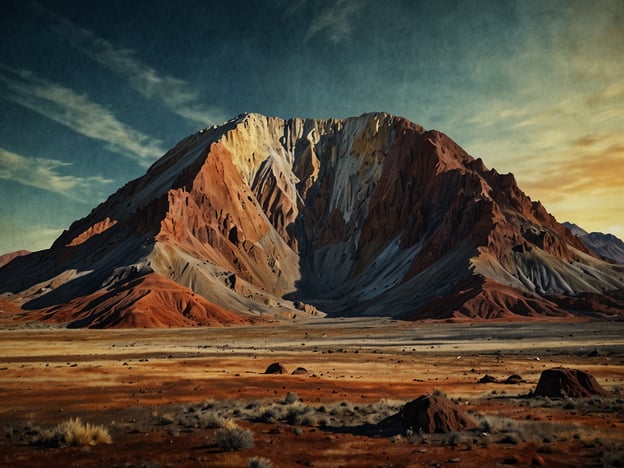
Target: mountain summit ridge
x,y
264,217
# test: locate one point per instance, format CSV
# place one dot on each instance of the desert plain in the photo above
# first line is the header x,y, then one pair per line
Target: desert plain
x,y
163,394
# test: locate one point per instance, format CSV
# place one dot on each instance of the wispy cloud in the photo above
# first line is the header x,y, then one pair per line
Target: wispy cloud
x,y
334,20
77,112
46,174
589,171
175,94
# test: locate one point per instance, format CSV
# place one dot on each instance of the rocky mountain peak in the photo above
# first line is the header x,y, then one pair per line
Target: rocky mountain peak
x,y
370,215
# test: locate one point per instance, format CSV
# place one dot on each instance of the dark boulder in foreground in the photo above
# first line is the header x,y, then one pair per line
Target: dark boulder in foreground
x,y
276,368
435,413
561,381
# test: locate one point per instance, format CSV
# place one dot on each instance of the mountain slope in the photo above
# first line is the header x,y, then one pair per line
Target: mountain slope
x,y
605,245
268,217
7,258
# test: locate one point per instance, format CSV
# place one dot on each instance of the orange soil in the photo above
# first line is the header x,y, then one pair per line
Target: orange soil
x,y
108,377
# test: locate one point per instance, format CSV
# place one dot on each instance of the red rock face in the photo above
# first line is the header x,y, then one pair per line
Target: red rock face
x,y
365,216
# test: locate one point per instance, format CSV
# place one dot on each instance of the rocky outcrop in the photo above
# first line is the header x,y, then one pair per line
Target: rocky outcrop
x,y
435,413
561,381
276,368
265,217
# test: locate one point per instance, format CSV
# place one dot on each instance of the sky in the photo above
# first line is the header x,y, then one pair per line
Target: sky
x,y
93,92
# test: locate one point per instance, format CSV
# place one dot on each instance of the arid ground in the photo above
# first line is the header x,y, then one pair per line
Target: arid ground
x,y
163,393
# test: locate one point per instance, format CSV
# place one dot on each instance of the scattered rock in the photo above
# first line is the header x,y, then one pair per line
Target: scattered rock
x,y
510,439
487,379
513,460
561,381
514,379
593,353
537,461
307,308
434,413
276,368
300,371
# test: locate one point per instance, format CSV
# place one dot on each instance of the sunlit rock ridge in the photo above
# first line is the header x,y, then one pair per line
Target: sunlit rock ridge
x,y
264,217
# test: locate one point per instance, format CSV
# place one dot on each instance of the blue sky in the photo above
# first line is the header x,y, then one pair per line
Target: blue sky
x,y
91,93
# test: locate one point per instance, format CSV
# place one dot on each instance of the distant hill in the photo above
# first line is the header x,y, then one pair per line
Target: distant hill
x,y
605,245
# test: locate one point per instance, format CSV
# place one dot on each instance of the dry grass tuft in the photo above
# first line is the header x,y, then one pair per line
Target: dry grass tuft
x,y
74,432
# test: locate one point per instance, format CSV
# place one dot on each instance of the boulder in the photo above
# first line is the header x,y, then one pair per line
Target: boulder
x,y
434,413
561,381
487,379
276,368
514,379
300,371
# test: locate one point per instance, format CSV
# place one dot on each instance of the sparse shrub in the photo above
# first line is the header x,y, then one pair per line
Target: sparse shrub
x,y
342,410
74,432
9,432
322,421
454,439
259,462
308,419
166,419
301,416
486,426
614,456
210,420
372,419
271,415
209,403
597,400
234,439
230,424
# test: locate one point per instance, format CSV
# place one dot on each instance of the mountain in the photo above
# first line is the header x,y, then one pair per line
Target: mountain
x,y
605,245
263,217
7,258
